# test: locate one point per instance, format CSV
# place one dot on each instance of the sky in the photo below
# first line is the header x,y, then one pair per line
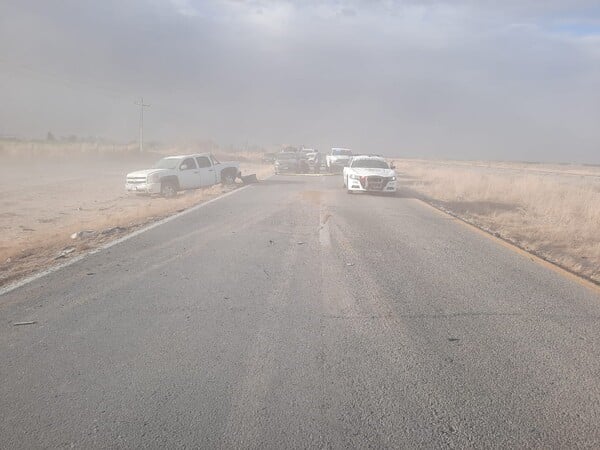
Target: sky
x,y
465,79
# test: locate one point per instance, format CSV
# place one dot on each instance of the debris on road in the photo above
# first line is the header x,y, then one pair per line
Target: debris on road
x,y
113,230
65,252
453,339
32,322
249,179
83,234
349,264
300,243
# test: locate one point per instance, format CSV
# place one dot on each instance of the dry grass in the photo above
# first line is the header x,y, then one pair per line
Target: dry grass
x,y
550,210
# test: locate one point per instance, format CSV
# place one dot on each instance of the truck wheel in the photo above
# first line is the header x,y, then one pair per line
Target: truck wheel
x,y
168,189
228,177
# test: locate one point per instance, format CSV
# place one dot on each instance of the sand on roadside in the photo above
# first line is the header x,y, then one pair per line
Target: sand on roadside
x,y
45,199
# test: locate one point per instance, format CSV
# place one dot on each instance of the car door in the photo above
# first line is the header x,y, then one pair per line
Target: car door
x,y
189,175
208,176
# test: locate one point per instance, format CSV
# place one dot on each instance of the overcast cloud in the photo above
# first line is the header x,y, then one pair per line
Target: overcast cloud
x,y
464,79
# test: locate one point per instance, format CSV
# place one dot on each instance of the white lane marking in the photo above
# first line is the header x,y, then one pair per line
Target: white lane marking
x,y
38,275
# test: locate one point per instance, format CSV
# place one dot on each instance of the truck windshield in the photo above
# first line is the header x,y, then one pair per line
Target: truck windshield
x,y
167,163
370,164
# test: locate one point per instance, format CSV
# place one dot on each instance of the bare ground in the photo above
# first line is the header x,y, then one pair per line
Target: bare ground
x,y
45,200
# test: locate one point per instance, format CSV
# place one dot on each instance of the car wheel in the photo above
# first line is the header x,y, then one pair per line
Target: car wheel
x,y
168,189
228,177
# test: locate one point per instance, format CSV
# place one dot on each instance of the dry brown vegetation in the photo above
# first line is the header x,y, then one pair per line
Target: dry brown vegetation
x,y
50,190
552,210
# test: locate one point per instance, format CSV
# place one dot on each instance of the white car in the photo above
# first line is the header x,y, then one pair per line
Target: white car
x,y
369,174
338,158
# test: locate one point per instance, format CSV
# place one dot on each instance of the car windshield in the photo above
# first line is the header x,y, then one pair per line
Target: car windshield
x,y
285,156
167,163
341,152
370,164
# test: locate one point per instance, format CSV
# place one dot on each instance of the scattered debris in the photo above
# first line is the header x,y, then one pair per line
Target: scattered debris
x,y
300,243
249,179
91,273
266,273
26,229
349,264
271,241
113,230
453,339
83,234
8,260
225,298
65,252
32,322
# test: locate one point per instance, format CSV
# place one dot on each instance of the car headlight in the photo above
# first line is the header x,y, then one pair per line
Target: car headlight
x,y
154,178
353,176
392,178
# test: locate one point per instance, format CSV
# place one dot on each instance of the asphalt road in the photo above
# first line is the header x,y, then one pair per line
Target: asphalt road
x,y
293,315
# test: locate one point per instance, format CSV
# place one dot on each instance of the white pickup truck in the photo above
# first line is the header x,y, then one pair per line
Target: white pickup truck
x,y
179,173
338,158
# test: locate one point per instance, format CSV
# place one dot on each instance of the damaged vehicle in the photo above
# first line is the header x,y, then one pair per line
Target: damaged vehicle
x,y
179,173
369,174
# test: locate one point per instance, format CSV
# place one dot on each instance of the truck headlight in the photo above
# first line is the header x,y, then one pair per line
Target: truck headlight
x,y
353,177
392,178
153,178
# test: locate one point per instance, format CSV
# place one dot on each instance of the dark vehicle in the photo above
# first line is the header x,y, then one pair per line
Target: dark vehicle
x,y
290,162
268,158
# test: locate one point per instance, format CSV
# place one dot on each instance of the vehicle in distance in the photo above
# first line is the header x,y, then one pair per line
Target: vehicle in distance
x,y
179,173
268,158
337,159
290,162
313,159
369,174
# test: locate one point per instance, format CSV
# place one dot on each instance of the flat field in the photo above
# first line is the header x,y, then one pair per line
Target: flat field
x,y
48,193
551,210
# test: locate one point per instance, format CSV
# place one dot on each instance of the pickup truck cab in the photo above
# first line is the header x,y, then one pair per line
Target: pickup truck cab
x,y
338,158
178,173
369,174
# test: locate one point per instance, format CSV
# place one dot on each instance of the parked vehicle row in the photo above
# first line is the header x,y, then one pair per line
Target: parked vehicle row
x,y
360,173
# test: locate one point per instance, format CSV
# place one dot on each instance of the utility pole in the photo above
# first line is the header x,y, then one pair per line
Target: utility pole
x,y
142,106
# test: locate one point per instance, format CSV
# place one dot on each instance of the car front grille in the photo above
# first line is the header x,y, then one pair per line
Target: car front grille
x,y
136,180
374,182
